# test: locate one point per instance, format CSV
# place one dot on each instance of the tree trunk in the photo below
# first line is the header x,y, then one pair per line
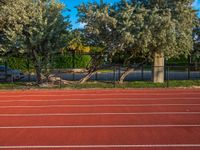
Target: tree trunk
x,y
56,80
129,70
158,68
196,66
124,75
87,77
38,74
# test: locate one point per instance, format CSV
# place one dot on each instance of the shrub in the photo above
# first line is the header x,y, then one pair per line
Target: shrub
x,y
66,61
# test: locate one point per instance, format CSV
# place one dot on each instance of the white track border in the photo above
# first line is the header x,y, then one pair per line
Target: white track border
x,y
103,146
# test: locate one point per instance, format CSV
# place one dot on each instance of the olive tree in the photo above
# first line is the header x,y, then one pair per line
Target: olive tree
x,y
36,29
171,24
98,30
147,29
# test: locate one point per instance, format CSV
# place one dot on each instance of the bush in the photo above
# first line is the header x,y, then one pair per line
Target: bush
x,y
17,63
66,61
59,62
177,61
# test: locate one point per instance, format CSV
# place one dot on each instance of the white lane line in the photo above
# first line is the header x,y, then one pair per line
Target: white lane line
x,y
93,106
140,90
99,114
100,94
97,126
102,146
103,99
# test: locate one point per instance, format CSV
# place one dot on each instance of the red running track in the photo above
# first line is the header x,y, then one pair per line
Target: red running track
x,y
146,119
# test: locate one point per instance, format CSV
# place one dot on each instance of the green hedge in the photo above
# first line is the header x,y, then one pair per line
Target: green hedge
x,y
66,61
178,61
59,62
17,63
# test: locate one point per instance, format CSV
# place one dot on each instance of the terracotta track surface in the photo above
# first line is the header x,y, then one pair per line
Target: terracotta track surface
x,y
143,119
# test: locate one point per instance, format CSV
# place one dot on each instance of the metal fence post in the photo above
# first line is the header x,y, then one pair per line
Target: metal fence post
x,y
73,55
188,71
60,84
6,70
119,72
73,76
142,72
12,80
114,76
73,59
96,76
189,62
167,76
28,67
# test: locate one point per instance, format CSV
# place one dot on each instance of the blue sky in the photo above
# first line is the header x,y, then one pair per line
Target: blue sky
x,y
72,3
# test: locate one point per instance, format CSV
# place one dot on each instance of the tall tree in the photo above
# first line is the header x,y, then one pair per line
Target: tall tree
x,y
149,29
134,34
172,31
116,29
99,27
169,26
35,28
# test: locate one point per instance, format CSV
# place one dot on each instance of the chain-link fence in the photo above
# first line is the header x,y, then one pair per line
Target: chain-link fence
x,y
110,73
143,73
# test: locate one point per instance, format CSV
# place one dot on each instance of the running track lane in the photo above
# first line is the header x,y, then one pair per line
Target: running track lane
x,y
78,135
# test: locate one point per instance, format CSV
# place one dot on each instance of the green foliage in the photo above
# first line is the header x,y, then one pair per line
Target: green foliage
x,y
58,62
138,28
174,37
66,61
196,38
179,61
17,63
103,85
77,42
35,29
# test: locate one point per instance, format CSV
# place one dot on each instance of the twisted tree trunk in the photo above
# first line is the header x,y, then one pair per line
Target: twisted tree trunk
x,y
38,74
95,63
125,74
88,76
129,70
56,80
37,65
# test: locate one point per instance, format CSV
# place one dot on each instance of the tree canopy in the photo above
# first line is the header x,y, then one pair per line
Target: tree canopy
x,y
132,29
36,29
196,38
140,28
77,42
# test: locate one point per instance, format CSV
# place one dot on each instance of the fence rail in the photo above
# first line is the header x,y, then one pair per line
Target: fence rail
x,y
113,73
